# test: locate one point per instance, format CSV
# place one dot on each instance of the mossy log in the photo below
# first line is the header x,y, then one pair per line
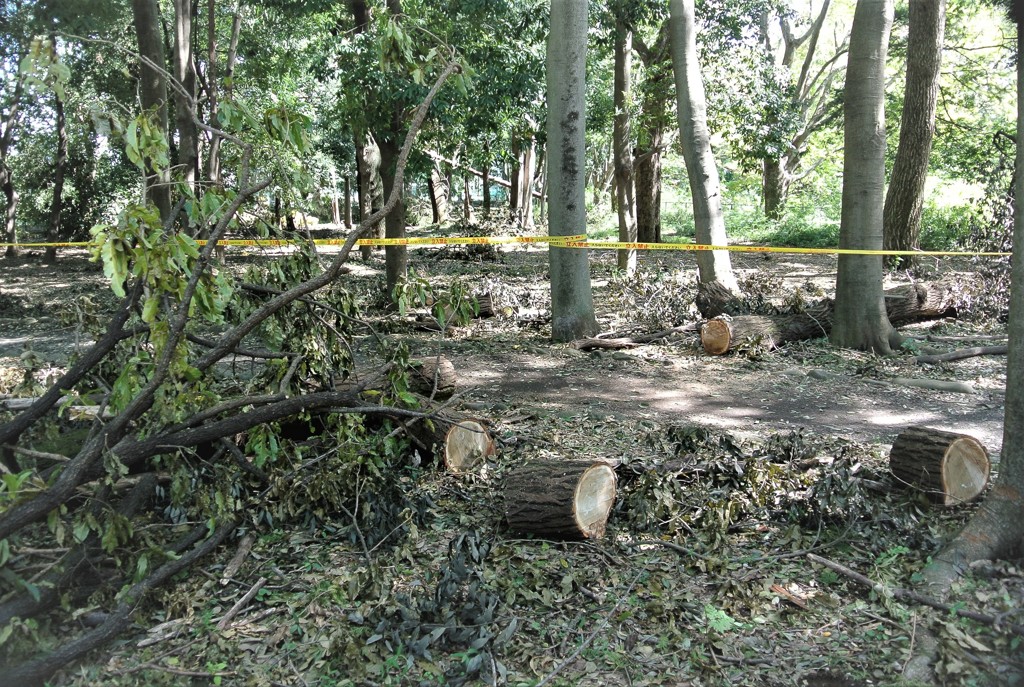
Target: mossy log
x,y
903,304
560,499
950,468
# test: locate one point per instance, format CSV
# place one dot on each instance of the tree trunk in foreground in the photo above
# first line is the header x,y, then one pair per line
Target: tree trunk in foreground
x,y
997,529
572,301
695,138
901,226
860,320
950,468
560,499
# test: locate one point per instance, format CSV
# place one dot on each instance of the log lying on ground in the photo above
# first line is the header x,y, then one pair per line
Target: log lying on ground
x,y
612,342
460,443
903,304
961,354
950,468
560,499
423,372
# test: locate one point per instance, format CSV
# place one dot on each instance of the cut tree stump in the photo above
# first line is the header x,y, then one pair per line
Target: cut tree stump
x,y
903,304
560,499
950,468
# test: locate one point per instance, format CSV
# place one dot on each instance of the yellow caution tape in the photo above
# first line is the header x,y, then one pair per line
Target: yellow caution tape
x,y
574,241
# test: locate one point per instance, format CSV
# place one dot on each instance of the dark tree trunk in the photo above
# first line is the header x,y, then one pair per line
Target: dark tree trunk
x,y
395,257
56,204
647,172
153,91
467,199
901,219
775,182
347,202
11,213
185,74
622,146
515,178
486,179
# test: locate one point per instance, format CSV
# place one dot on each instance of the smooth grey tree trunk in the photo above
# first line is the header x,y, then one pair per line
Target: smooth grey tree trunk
x,y
572,301
185,75
860,320
903,202
622,145
714,266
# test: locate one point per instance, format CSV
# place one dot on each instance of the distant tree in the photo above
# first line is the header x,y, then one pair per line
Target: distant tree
x,y
860,319
901,218
715,267
572,301
622,145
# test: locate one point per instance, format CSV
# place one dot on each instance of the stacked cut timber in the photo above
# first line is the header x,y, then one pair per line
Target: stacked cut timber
x,y
560,499
950,468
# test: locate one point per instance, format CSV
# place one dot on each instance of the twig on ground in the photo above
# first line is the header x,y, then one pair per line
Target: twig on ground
x,y
241,603
244,546
908,595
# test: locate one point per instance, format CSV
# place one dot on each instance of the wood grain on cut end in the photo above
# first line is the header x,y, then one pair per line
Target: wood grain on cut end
x,y
950,468
466,444
560,499
715,336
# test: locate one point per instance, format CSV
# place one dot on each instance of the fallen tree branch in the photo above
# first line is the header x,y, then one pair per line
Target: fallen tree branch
x,y
961,354
630,341
909,595
240,604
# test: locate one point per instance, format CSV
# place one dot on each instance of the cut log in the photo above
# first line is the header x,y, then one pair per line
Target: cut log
x,y
714,299
721,334
560,499
950,468
466,444
432,377
903,304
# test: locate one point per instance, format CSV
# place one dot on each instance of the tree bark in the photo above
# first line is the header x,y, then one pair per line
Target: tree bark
x,y
396,258
695,138
185,75
905,197
57,202
860,319
10,211
560,499
903,304
371,185
775,187
439,192
572,301
153,91
622,145
347,202
951,469
6,174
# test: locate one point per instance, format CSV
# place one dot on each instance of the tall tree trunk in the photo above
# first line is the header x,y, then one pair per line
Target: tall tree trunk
x,y
371,187
622,145
153,91
775,187
516,180
714,266
467,200
572,301
10,212
526,183
901,218
395,257
486,179
347,202
860,319
57,202
185,75
996,530
439,191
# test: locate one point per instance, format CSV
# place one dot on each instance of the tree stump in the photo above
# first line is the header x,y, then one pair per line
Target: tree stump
x,y
950,468
560,499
